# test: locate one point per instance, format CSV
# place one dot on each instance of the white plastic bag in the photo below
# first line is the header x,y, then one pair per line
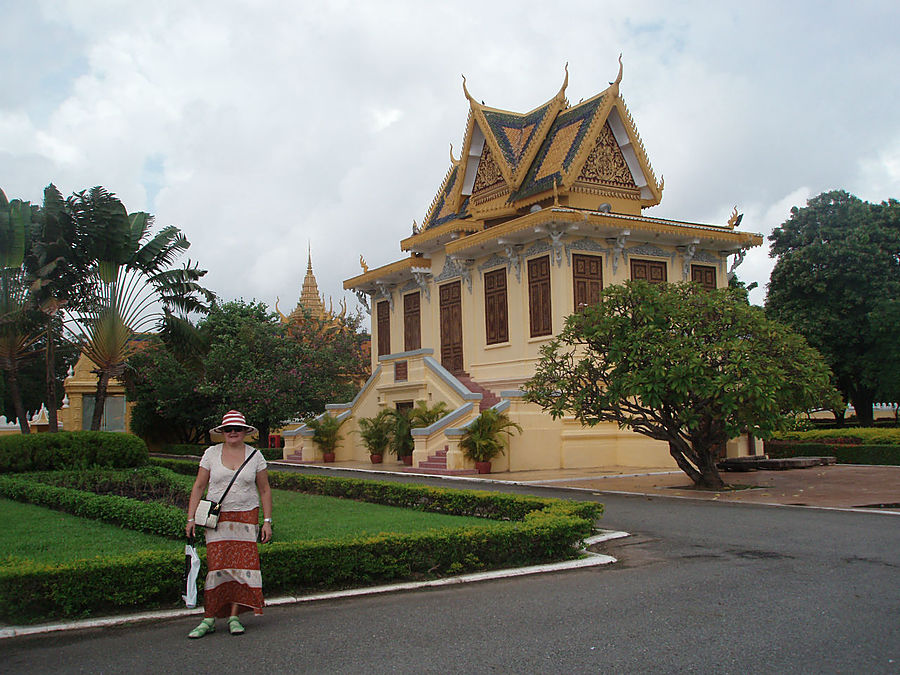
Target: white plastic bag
x,y
191,571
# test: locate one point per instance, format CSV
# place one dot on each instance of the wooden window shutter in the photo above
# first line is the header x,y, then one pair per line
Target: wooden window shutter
x,y
496,316
704,275
412,330
383,311
539,310
652,271
587,280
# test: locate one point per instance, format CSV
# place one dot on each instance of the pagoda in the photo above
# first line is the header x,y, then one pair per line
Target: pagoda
x,y
538,213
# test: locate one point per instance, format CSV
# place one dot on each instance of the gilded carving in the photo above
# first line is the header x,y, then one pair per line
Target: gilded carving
x,y
606,164
488,174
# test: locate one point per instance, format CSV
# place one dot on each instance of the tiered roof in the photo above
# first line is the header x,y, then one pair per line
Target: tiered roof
x,y
579,162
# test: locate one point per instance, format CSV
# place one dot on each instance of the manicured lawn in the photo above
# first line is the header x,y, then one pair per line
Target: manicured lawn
x,y
301,516
48,536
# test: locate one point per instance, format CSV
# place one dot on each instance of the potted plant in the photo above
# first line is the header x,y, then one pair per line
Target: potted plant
x,y
422,415
376,434
326,434
401,443
483,438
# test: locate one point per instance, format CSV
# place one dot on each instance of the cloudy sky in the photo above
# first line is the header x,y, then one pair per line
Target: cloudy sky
x,y
263,127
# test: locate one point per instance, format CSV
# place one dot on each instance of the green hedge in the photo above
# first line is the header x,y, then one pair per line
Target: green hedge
x,y
70,450
152,517
523,530
866,435
194,450
845,453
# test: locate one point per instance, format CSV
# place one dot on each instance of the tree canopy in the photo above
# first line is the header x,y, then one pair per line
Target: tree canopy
x,y
680,364
836,281
248,360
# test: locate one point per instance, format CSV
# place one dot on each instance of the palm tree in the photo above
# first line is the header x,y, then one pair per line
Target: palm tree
x,y
59,278
136,286
17,334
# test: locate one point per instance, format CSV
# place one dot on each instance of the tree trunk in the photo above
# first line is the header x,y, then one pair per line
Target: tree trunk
x,y
100,399
51,379
863,401
709,472
12,381
705,474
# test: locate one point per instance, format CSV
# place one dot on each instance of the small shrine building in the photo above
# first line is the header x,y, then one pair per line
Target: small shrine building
x,y
540,211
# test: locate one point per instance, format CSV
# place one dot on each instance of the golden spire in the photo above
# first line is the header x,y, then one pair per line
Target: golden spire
x,y
309,294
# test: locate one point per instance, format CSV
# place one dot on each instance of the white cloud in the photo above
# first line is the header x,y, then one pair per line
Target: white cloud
x,y
272,126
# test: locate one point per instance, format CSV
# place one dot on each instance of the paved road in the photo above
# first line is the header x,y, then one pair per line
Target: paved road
x,y
701,587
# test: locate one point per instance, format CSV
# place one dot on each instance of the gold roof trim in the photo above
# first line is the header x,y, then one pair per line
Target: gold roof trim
x,y
424,236
407,264
611,220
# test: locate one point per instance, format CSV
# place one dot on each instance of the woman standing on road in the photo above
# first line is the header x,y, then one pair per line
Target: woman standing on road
x,y
233,581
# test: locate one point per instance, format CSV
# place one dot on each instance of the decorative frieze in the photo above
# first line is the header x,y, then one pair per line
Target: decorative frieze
x,y
584,245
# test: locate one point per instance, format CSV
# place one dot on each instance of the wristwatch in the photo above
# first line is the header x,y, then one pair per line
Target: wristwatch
x,y
267,520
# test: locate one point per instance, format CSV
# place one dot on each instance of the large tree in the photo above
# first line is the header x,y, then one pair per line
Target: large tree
x,y
836,281
18,330
680,364
59,275
250,360
137,285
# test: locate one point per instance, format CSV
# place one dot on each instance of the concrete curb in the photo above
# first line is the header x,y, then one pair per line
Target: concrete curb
x,y
591,560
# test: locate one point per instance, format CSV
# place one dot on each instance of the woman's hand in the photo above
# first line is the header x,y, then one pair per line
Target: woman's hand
x,y
265,534
189,528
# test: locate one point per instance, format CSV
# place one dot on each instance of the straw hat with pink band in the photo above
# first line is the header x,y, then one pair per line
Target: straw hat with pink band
x,y
233,419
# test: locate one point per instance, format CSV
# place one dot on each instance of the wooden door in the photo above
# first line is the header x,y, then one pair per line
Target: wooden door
x,y
587,280
451,327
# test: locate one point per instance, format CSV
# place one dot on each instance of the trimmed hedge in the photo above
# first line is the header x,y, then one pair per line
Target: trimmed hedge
x,y
845,453
152,517
866,435
535,530
71,450
194,450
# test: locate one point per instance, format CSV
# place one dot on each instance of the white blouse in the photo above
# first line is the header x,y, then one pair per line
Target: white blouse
x,y
243,495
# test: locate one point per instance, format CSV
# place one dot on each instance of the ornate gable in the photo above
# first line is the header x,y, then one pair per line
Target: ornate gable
x,y
606,165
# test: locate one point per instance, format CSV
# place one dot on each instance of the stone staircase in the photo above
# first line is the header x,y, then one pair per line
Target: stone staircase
x,y
488,398
436,464
296,458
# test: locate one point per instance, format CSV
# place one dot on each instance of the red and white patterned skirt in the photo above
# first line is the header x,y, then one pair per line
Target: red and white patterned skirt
x,y
232,560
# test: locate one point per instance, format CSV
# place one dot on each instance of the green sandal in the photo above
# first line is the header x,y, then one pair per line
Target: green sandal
x,y
234,626
206,626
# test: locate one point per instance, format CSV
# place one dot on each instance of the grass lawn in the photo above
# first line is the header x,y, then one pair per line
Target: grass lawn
x,y
47,536
43,535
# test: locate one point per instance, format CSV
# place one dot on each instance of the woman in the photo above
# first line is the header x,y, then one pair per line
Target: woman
x,y
233,581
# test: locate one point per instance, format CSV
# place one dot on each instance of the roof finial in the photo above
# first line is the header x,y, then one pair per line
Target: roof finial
x,y
453,161
308,256
619,76
562,90
466,92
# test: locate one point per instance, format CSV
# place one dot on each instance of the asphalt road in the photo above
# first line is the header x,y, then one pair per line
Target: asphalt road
x,y
700,587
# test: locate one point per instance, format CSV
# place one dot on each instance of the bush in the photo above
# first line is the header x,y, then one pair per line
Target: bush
x,y
531,530
867,435
152,517
845,453
71,450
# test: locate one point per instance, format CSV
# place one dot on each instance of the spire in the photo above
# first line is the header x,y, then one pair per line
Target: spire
x,y
309,294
